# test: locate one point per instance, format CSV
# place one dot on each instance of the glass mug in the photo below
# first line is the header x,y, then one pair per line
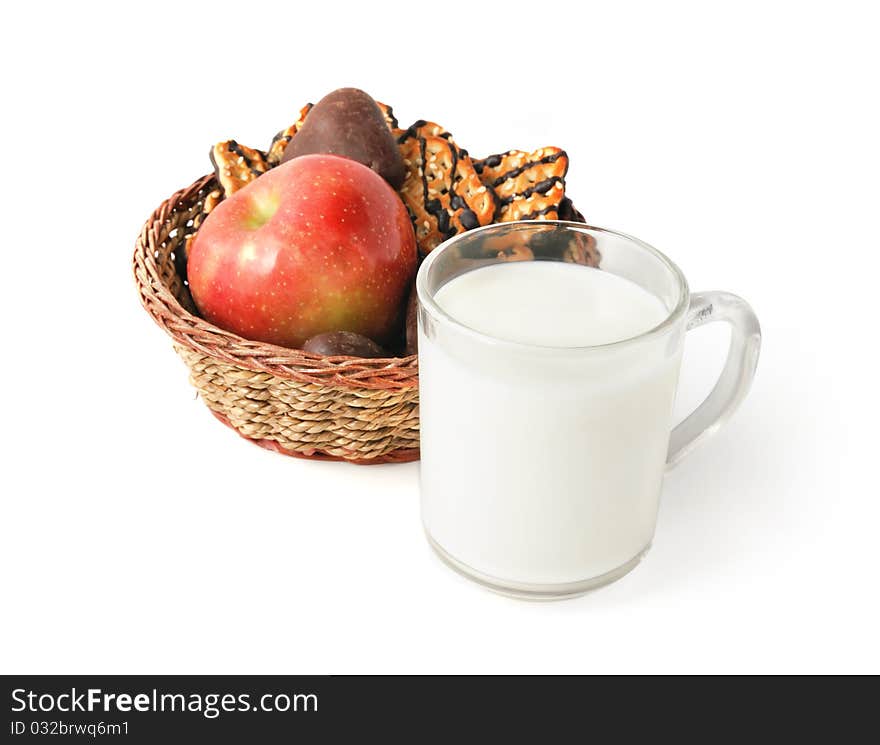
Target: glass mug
x,y
541,467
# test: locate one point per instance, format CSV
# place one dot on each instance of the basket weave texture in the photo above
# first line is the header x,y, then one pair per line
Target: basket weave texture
x,y
294,402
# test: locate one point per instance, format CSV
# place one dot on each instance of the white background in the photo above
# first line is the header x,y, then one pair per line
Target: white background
x,y
139,535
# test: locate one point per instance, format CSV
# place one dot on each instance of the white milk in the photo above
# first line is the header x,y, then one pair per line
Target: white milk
x,y
551,304
543,465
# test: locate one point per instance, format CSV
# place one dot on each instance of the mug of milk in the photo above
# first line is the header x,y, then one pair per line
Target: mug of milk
x,y
549,355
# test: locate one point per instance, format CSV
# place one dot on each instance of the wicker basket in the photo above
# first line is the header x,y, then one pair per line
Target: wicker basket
x,y
293,402
287,400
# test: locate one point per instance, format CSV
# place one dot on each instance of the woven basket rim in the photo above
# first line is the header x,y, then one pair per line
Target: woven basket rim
x,y
196,333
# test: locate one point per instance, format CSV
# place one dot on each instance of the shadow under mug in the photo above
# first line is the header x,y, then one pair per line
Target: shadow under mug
x,y
541,467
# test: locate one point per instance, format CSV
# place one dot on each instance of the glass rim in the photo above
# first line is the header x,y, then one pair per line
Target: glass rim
x,y
426,299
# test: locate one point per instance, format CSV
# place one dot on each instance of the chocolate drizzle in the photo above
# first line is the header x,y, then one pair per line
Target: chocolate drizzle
x,y
434,206
568,212
538,213
234,147
493,161
412,130
468,219
513,173
526,184
424,177
280,136
542,187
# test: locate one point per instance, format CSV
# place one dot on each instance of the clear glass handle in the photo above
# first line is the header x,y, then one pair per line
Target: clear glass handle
x,y
736,377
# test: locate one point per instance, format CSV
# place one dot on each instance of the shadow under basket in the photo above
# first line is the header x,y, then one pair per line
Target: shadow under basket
x,y
293,402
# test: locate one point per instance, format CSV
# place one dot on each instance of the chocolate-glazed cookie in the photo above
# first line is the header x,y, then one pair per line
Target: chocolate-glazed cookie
x,y
236,165
530,186
442,190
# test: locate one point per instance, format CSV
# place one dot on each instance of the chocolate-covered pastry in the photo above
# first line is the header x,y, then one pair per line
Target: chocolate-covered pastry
x,y
281,140
343,344
348,122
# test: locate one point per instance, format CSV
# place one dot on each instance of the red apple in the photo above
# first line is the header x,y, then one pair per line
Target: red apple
x,y
321,243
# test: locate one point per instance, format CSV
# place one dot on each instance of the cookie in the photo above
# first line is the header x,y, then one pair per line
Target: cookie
x,y
424,128
279,141
530,186
211,201
236,165
442,190
414,196
388,113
